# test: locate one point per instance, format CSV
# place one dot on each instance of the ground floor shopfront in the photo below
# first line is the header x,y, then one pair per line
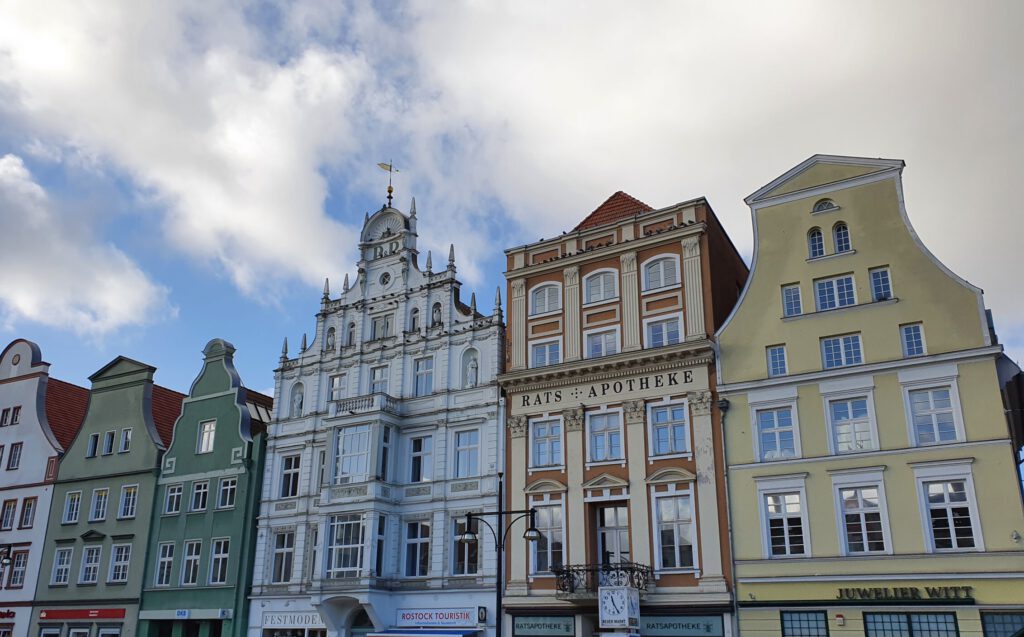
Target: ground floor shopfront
x,y
116,620
15,618
186,622
660,622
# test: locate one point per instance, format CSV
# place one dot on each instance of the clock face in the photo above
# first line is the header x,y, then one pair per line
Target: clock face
x,y
614,602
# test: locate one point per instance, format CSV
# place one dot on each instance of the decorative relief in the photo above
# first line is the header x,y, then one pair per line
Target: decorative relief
x,y
412,492
472,485
385,492
518,288
635,411
236,455
573,419
572,275
517,426
628,261
701,403
285,506
348,492
691,247
169,464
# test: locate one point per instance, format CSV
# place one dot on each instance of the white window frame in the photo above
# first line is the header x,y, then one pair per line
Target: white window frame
x,y
678,316
533,466
776,485
420,541
426,459
474,468
463,549
948,471
122,501
98,548
336,390
842,349
64,569
810,246
192,496
687,432
287,574
93,447
932,377
65,518
599,273
116,563
849,389
860,478
167,498
673,491
427,374
833,282
544,501
644,279
601,331
111,437
799,300
835,237
385,381
771,404
186,558
227,484
888,278
125,445
92,504
291,476
365,431
546,341
215,556
768,360
161,559
206,436
903,340
532,311
333,549
588,416
386,322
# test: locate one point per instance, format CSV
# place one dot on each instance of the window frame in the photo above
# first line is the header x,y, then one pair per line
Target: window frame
x,y
672,493
544,501
386,380
798,300
758,406
123,499
841,225
167,498
668,403
833,283
845,390
532,311
290,476
125,443
386,322
420,541
78,508
777,485
768,360
215,556
821,615
427,374
359,546
908,615
948,471
474,468
932,377
426,458
225,485
114,563
532,439
816,231
600,273
92,504
70,552
108,437
363,431
160,560
557,340
186,559
842,350
651,261
888,282
334,392
99,560
588,417
860,478
14,456
202,440
9,505
664,318
614,330
903,339
26,503
192,496
469,551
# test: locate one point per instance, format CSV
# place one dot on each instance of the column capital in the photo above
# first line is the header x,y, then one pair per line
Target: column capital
x,y
517,426
571,275
518,288
635,411
628,261
691,246
700,401
573,419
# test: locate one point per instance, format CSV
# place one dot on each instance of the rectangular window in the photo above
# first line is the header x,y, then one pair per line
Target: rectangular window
x,y
420,467
120,558
466,555
417,549
931,411
284,550
126,440
1001,624
378,561
14,457
881,289
546,436
90,572
94,443
108,442
839,351
804,623
164,564
19,564
661,333
661,273
207,431
129,500
98,511
776,435
338,387
72,504
228,488
776,355
8,512
15,415
290,467
345,546
219,561
424,376
190,563
605,437
172,499
949,512
785,524
862,520
61,566
910,625
791,304
675,532
385,452
851,425
467,453
381,327
313,542
832,293
603,343
379,380
352,454
544,354
668,430
321,464
200,495
912,337
547,551
5,416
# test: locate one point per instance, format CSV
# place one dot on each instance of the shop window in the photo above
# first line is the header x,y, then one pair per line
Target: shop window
x,y
1002,624
804,624
910,625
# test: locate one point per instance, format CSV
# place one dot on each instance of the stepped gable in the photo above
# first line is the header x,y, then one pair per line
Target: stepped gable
x,y
166,409
618,206
66,405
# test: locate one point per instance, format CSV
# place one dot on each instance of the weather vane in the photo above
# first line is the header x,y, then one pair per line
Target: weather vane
x,y
389,166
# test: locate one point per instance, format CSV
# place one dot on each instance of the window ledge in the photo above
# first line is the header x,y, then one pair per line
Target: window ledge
x,y
555,467
686,455
614,299
826,257
544,314
888,301
607,463
664,288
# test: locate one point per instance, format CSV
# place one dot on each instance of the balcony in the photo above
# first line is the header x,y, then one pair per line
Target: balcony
x,y
581,581
366,404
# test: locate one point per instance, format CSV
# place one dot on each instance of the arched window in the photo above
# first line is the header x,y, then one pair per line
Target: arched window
x,y
661,272
600,286
815,244
470,368
329,341
545,298
823,204
414,320
350,335
297,397
841,235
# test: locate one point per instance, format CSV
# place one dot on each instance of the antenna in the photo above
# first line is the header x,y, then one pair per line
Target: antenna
x,y
390,167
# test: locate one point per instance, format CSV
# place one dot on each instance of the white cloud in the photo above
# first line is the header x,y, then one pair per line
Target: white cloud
x,y
55,275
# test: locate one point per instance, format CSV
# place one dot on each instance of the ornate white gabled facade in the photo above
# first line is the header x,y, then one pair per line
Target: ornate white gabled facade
x,y
387,433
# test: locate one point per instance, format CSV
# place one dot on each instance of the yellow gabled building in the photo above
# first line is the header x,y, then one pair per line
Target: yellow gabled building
x,y
873,486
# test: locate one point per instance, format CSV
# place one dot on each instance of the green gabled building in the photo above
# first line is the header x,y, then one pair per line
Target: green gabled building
x,y
199,562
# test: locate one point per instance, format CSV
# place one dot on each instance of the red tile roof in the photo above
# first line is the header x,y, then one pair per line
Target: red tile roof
x,y
65,409
166,409
618,206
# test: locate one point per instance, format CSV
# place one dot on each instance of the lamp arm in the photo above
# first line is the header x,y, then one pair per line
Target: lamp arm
x,y
532,513
469,519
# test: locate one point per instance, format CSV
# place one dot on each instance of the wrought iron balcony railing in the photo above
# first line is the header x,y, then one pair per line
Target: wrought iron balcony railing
x,y
366,403
583,580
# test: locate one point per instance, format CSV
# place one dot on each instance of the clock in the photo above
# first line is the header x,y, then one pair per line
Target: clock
x,y
613,602
618,607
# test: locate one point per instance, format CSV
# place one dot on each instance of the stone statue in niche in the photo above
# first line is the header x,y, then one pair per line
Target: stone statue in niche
x,y
297,401
435,315
330,338
472,374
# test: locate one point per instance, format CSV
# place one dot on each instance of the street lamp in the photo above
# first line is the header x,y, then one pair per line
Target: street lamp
x,y
5,555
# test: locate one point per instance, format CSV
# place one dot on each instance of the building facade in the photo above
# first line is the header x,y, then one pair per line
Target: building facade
x,y
386,433
614,433
91,573
38,417
202,538
872,477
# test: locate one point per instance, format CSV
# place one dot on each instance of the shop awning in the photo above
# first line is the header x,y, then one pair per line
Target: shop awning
x,y
425,632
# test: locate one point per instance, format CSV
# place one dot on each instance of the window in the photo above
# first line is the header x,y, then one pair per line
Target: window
x,y
345,546
949,513
545,298
662,332
815,244
881,288
421,459
28,513
120,557
350,335
19,564
822,205
424,376
5,417
791,305
414,320
290,467
126,440
776,355
862,520
839,351
910,625
378,559
603,343
467,453
660,273
832,293
546,445
14,457
15,415
545,353
164,564
1,454
190,563
850,421
804,623
912,337
466,555
98,511
352,454
675,532
321,468
1001,624
7,514
129,500
90,572
379,380
669,433
776,434
931,411
313,544
417,549
94,443
547,551
219,561
108,443
841,236
61,566
206,433
172,499
338,387
785,524
605,437
599,286
72,504
200,494
228,488
385,452
380,327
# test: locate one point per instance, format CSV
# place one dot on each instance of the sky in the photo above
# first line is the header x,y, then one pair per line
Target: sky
x,y
176,172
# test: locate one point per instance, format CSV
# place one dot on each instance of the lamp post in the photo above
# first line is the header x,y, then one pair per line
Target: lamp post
x,y
5,555
500,534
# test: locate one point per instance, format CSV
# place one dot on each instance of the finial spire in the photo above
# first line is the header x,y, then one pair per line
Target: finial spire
x,y
390,167
412,208
303,347
451,255
430,262
497,297
284,349
327,288
344,285
472,303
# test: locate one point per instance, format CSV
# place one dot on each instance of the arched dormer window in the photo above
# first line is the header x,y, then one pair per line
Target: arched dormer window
x,y
329,341
350,335
546,298
823,204
600,286
414,320
661,272
297,399
841,235
815,244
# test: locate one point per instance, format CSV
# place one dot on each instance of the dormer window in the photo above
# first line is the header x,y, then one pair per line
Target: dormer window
x,y
815,244
824,204
546,298
841,235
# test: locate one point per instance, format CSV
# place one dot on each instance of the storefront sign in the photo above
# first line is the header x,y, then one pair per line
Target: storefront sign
x,y
647,385
543,626
682,626
83,613
182,613
293,619
907,593
6,614
412,617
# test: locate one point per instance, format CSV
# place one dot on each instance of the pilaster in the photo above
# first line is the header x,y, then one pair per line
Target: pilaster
x,y
693,288
636,456
712,578
630,294
576,528
518,429
517,316
571,312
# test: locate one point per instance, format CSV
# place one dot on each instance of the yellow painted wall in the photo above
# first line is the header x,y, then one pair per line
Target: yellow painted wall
x,y
821,174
